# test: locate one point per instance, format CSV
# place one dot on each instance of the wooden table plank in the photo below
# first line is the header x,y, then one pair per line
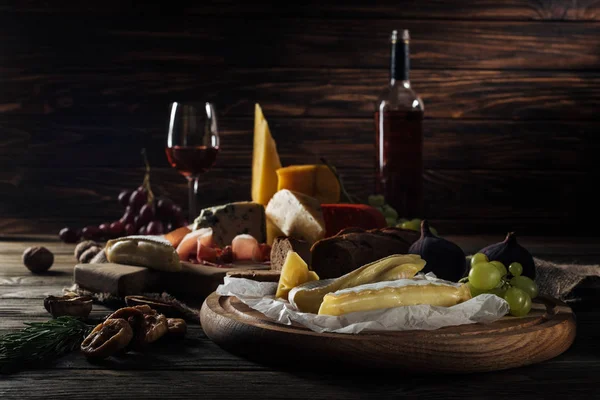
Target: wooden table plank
x,y
560,380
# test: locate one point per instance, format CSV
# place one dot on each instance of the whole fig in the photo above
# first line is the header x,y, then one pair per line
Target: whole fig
x,y
509,251
443,257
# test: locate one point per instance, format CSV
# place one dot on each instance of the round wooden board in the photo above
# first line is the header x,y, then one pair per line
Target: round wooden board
x,y
547,331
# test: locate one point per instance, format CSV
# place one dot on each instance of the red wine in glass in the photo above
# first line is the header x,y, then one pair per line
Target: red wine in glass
x,y
192,161
192,144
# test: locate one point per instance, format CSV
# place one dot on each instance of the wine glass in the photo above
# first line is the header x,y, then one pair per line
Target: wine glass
x,y
192,144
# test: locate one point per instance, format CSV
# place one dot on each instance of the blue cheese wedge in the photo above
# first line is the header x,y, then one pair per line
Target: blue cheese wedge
x,y
229,220
297,215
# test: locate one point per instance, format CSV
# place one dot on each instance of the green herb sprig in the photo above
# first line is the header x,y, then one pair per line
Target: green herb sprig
x,y
40,343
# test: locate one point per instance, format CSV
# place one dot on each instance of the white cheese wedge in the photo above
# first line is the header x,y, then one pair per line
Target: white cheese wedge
x,y
297,215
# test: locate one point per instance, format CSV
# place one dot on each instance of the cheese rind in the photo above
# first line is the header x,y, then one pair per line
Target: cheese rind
x,y
265,160
294,272
297,215
229,220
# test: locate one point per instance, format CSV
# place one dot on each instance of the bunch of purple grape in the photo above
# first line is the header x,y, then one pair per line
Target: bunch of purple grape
x,y
144,215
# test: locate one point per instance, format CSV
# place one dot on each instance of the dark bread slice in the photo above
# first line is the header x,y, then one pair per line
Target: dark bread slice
x,y
352,248
283,244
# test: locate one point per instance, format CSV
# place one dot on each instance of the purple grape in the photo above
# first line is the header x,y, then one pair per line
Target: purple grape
x,y
128,216
138,198
117,228
164,208
146,214
124,197
104,230
142,230
155,228
129,229
69,235
90,232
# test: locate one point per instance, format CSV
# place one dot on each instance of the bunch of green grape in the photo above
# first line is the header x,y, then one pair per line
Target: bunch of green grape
x,y
487,276
391,215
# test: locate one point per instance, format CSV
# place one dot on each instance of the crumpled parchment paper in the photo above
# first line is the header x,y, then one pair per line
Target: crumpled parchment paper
x,y
260,296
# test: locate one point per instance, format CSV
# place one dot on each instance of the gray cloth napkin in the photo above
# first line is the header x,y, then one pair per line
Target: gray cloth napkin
x,y
561,280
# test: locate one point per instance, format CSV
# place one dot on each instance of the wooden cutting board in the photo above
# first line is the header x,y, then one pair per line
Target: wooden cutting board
x,y
547,331
193,282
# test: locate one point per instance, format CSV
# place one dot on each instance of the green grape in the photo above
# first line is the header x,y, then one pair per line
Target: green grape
x,y
525,284
474,291
413,224
376,200
479,258
391,221
518,300
484,276
516,269
389,212
401,220
433,230
500,267
498,291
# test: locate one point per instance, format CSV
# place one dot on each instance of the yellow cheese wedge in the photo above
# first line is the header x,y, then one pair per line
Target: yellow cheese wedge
x,y
388,297
294,272
312,180
265,160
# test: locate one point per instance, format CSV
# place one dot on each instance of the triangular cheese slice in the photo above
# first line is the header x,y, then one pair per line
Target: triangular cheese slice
x,y
265,160
293,273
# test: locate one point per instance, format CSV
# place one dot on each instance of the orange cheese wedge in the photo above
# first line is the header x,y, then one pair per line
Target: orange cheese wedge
x,y
312,180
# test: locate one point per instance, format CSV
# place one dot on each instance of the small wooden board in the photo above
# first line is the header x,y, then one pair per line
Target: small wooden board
x,y
547,331
194,281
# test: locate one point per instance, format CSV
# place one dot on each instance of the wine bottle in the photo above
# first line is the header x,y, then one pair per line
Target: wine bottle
x,y
399,135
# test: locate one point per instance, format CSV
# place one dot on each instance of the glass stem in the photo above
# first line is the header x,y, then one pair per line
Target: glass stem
x,y
193,198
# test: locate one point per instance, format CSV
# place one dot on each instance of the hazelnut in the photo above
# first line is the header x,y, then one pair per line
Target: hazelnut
x,y
38,259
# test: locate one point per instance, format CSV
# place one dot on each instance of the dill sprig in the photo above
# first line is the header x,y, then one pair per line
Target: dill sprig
x,y
41,342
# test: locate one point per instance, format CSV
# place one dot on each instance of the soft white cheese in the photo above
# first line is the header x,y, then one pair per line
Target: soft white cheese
x,y
297,215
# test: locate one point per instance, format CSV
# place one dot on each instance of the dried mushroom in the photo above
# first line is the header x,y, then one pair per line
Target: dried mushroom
x,y
135,317
75,306
177,326
148,325
107,338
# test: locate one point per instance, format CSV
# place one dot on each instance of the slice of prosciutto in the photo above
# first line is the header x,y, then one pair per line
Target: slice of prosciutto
x,y
189,244
244,247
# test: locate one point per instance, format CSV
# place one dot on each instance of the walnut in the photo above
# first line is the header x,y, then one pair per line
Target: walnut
x,y
38,259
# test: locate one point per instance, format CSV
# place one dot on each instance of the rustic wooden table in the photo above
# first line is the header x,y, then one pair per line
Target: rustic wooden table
x,y
197,368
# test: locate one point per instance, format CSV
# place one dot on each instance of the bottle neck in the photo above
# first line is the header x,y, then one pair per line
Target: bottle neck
x,y
400,61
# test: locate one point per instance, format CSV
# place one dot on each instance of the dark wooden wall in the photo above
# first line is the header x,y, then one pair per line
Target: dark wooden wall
x,y
511,90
